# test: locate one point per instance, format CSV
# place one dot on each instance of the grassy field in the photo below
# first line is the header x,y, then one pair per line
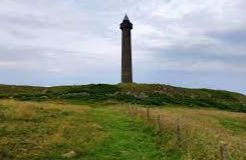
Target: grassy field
x,y
30,130
48,130
202,132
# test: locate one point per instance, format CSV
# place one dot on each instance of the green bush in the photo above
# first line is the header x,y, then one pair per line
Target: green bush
x,y
31,97
4,96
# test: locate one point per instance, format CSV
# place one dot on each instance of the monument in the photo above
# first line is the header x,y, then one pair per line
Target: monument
x,y
126,51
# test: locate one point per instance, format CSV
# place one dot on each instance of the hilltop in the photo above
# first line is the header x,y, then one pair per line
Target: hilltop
x,y
144,94
124,121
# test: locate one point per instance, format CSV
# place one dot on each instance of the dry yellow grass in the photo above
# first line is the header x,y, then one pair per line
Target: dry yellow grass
x,y
202,131
23,112
49,124
27,109
19,111
34,128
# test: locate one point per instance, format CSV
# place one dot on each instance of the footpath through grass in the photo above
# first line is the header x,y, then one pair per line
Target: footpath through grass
x,y
46,131
41,131
127,139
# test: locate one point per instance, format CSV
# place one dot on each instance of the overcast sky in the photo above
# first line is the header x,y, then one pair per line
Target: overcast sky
x,y
188,43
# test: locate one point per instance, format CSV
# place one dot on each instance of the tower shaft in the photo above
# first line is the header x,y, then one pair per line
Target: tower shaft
x,y
126,68
126,52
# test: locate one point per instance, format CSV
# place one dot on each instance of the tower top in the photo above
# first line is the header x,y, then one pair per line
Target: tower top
x,y
126,24
126,18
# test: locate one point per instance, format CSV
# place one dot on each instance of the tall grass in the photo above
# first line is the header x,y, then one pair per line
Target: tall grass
x,y
32,130
24,112
202,131
53,129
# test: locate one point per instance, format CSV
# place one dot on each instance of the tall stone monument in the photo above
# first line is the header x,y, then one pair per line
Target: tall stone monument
x,y
126,51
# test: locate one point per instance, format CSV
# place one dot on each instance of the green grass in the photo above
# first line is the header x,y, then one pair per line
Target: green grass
x,y
106,131
202,131
127,139
235,125
47,133
38,131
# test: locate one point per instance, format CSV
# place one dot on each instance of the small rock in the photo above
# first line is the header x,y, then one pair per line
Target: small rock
x,y
70,154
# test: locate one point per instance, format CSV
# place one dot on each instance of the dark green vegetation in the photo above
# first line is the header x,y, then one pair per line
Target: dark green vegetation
x,y
146,94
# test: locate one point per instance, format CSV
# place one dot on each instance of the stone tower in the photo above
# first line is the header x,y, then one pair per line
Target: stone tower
x,y
126,51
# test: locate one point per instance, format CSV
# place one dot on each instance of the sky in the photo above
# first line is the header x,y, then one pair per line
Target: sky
x,y
187,43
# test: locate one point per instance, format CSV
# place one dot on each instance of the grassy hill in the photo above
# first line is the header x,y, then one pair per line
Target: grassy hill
x,y
52,130
121,122
145,94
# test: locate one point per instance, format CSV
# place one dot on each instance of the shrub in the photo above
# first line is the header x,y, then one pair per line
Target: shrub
x,y
32,97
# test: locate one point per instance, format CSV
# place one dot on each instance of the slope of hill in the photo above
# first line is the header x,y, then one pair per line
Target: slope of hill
x,y
51,130
31,130
146,94
112,122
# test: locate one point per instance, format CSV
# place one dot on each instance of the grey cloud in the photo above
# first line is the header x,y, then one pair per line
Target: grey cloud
x,y
26,20
76,41
200,53
29,52
234,37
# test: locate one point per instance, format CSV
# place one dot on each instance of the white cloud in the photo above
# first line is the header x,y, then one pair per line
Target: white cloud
x,y
201,66
80,37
